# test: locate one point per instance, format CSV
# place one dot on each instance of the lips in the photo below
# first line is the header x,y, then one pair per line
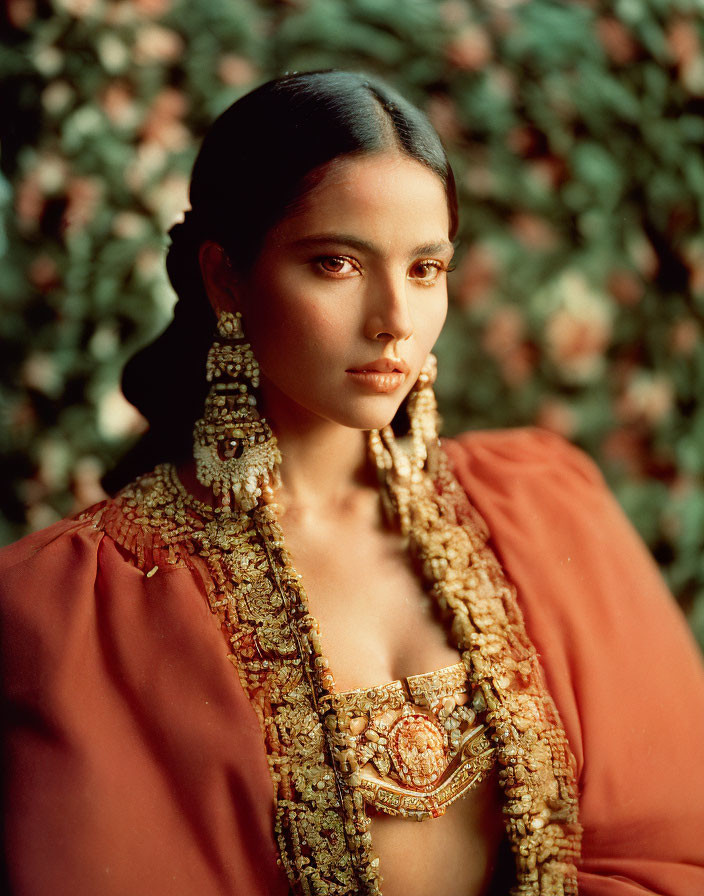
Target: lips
x,y
382,365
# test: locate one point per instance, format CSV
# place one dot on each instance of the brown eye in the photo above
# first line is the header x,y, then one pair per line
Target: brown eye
x,y
336,264
426,271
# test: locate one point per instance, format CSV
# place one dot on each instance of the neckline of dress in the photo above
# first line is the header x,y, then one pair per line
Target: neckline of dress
x,y
447,672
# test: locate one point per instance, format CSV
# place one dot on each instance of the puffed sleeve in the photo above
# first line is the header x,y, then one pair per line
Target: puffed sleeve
x,y
619,659
133,761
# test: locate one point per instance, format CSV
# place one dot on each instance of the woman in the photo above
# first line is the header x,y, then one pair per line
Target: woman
x,y
404,682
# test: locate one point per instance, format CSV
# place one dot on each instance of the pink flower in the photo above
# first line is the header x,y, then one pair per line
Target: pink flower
x,y
470,50
43,273
557,416
578,332
503,339
156,44
647,398
163,124
236,71
118,104
83,195
442,113
153,9
625,287
476,275
21,13
532,231
616,40
685,336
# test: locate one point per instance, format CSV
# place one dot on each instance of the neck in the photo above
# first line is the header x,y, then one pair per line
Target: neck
x,y
324,465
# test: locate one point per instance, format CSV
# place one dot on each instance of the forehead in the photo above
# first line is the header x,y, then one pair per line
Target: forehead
x,y
387,197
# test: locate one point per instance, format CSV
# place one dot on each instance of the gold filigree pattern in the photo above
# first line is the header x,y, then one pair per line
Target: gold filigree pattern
x,y
321,824
414,744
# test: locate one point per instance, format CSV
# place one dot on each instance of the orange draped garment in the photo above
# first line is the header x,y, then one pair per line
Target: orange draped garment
x,y
134,763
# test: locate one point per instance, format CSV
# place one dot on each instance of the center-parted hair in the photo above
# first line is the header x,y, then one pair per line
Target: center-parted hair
x,y
259,158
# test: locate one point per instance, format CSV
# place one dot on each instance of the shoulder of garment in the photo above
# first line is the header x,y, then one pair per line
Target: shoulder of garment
x,y
619,658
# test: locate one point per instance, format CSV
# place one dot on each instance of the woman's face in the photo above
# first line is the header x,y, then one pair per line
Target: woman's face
x,y
349,292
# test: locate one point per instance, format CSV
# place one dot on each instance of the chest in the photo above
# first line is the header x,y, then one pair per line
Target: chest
x,y
377,623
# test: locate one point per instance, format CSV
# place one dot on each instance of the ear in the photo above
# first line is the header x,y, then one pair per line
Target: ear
x,y
218,277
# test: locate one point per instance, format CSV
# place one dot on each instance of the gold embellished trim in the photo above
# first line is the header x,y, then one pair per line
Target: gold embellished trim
x,y
321,824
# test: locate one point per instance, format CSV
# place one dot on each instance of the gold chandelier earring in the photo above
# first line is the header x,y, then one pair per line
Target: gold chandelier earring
x,y
403,463
235,451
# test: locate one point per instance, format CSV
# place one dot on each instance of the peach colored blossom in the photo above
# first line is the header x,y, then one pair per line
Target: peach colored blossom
x,y
532,231
504,332
643,256
523,139
41,515
236,71
625,446
43,272
684,46
118,103
518,367
557,416
576,344
442,113
79,8
626,287
578,331
478,177
168,198
83,195
693,254
647,398
685,336
548,172
117,418
470,49
476,276
29,201
616,40
122,12
128,225
87,490
156,44
152,8
148,161
683,41
163,124
148,263
503,339
21,12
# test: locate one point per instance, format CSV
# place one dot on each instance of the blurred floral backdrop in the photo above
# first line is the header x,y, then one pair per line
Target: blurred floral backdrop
x,y
576,133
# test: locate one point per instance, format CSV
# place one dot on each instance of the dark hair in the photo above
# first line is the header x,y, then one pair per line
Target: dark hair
x,y
259,157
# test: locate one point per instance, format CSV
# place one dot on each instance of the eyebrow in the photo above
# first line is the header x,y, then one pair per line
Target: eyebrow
x,y
354,242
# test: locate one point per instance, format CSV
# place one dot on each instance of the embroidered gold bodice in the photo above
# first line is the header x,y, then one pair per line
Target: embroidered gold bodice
x,y
415,745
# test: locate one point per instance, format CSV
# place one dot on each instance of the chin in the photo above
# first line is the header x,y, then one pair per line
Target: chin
x,y
369,419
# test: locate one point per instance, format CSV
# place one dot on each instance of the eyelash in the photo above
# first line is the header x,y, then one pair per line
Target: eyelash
x,y
429,262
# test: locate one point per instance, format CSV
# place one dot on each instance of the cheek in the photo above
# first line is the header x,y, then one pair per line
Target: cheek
x,y
430,321
296,328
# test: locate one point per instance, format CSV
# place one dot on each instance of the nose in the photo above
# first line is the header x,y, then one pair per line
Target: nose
x,y
389,317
